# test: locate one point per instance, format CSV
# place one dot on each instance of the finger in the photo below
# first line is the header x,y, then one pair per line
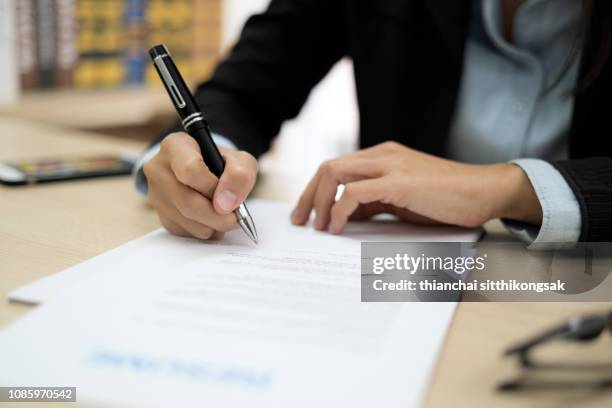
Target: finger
x,y
236,182
189,203
301,213
172,227
324,199
336,172
187,163
217,236
359,192
367,211
195,207
177,224
321,190
195,229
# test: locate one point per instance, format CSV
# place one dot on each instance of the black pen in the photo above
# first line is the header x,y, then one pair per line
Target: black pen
x,y
195,124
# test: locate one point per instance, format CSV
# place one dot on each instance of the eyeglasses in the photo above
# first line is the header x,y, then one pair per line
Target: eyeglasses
x,y
577,329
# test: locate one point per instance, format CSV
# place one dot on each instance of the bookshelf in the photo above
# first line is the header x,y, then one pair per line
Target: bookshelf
x,y
84,63
102,44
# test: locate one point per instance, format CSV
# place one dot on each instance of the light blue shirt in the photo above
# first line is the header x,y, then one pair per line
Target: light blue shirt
x,y
513,107
507,110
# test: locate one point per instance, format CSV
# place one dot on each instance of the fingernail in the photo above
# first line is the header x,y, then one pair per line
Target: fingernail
x,y
294,216
319,224
335,227
227,200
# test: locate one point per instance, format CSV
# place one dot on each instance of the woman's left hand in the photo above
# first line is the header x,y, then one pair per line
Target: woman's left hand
x,y
416,187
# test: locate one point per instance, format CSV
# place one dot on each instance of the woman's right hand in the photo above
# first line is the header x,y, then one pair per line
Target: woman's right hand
x,y
188,198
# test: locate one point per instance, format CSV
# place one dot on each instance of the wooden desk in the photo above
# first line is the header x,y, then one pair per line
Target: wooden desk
x,y
91,109
136,113
44,229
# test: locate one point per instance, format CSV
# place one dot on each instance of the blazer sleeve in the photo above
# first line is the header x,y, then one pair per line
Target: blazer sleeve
x,y
266,78
591,181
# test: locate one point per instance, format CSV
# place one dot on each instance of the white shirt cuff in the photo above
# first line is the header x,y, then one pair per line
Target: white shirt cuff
x,y
561,218
140,180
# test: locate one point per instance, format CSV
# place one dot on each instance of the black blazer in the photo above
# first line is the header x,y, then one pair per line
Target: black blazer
x,y
408,60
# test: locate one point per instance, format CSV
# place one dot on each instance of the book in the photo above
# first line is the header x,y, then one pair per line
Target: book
x,y
26,42
206,37
46,44
67,54
100,43
169,22
135,55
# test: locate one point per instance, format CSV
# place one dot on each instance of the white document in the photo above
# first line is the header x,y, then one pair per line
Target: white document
x,y
46,288
179,322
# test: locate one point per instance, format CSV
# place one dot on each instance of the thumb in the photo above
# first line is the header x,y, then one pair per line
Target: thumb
x,y
236,182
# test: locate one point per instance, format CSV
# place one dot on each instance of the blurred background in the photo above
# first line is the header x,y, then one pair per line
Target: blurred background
x,y
83,64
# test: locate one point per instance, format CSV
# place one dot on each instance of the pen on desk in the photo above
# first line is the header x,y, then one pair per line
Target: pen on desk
x,y
195,124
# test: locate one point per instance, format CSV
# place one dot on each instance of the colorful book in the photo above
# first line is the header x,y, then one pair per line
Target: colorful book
x,y
47,51
206,37
100,43
135,55
66,30
27,43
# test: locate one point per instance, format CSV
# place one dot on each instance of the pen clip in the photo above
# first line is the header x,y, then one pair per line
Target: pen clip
x,y
165,74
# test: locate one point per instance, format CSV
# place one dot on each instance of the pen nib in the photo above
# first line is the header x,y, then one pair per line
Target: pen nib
x,y
249,230
246,223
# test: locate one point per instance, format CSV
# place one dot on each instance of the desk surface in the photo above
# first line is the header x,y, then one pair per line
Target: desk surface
x,y
92,109
47,228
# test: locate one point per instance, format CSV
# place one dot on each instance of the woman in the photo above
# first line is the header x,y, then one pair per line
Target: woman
x,y
470,110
